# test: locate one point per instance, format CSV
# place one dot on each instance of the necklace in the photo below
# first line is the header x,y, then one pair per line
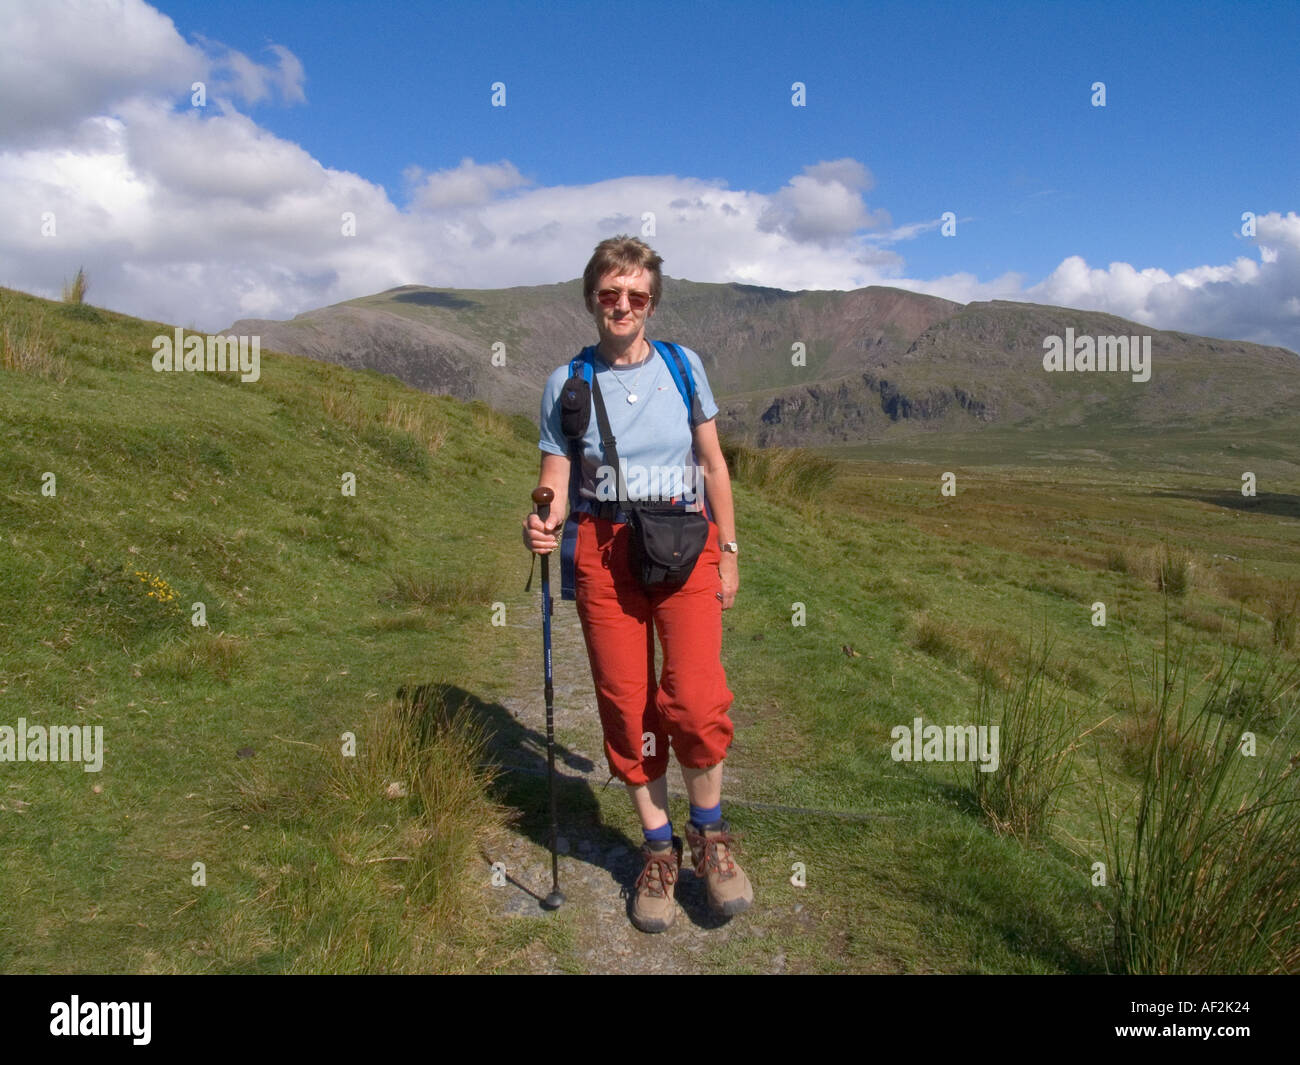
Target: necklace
x,y
631,394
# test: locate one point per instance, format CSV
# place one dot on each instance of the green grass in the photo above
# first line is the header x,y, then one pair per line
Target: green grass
x,y
1206,877
223,742
318,607
74,291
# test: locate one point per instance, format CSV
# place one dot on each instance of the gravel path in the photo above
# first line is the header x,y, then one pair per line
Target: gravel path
x,y
599,865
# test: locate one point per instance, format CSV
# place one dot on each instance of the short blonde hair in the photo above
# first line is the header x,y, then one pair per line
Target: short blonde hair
x,y
627,255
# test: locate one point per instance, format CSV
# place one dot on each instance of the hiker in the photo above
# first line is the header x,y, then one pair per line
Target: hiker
x,y
644,388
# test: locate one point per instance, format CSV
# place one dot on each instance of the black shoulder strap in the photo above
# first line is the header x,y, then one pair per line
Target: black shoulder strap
x,y
607,441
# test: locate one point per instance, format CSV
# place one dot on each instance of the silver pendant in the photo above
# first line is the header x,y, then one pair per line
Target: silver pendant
x,y
631,397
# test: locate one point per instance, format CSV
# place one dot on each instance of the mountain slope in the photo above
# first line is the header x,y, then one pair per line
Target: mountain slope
x,y
810,367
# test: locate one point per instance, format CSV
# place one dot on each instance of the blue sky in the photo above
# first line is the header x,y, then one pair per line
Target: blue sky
x,y
912,110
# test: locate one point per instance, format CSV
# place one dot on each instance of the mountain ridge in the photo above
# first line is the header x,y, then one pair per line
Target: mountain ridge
x,y
813,367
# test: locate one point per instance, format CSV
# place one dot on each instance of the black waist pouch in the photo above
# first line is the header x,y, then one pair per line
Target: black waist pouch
x,y
667,542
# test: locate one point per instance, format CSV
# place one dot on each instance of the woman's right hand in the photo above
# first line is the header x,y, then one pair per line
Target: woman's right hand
x,y
542,539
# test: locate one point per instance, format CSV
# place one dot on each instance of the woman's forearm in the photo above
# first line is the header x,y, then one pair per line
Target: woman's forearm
x,y
717,490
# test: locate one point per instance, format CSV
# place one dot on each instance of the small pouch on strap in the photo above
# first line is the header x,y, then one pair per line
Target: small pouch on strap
x,y
668,542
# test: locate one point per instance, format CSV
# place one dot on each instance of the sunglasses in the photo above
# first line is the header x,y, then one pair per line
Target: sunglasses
x,y
608,297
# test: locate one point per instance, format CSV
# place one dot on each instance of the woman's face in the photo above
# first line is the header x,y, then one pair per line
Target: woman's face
x,y
621,322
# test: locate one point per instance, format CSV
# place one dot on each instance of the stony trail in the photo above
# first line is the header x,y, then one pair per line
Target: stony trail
x,y
598,864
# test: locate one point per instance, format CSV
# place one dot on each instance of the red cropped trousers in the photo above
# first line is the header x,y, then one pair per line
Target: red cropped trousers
x,y
688,704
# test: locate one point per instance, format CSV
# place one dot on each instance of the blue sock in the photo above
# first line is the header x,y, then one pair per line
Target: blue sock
x,y
705,815
662,834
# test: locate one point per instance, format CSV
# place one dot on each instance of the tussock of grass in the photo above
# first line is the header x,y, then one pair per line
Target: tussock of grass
x,y
998,652
24,348
1244,588
794,474
1203,620
346,525
343,406
507,427
1283,607
418,422
1208,879
74,291
933,636
1170,568
218,654
404,431
441,590
1138,731
1037,740
392,887
1174,573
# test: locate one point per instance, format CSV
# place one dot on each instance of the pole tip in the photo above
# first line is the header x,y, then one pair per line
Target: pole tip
x,y
553,901
543,495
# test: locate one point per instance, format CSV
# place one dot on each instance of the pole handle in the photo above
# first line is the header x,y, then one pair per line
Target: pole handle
x,y
542,497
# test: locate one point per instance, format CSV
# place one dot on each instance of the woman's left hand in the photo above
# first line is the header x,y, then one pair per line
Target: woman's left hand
x,y
729,569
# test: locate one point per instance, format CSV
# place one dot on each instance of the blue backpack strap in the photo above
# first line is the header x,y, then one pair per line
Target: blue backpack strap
x,y
582,362
568,558
680,369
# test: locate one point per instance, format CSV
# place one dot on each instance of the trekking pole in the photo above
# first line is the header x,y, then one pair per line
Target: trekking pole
x,y
542,497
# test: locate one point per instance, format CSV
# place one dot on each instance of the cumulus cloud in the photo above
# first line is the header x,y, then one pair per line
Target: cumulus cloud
x,y
254,82
823,205
201,216
468,185
967,288
207,217
1244,299
53,82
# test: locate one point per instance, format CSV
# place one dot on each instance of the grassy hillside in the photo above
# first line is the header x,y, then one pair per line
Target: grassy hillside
x,y
223,744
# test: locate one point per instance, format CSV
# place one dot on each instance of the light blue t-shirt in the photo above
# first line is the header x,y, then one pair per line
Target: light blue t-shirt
x,y
653,434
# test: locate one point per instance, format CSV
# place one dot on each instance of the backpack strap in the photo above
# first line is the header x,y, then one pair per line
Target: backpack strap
x,y
584,362
679,367
581,364
680,370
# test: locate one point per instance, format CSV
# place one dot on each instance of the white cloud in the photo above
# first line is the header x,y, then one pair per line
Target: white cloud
x,y
823,205
966,288
467,185
253,82
52,79
66,62
202,216
1244,299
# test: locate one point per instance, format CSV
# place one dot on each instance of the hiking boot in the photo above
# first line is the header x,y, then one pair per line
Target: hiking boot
x,y
655,904
730,891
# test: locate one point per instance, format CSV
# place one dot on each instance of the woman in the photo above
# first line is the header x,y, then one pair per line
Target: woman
x,y
688,703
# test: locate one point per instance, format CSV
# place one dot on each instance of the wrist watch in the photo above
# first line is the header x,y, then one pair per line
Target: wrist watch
x,y
731,546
